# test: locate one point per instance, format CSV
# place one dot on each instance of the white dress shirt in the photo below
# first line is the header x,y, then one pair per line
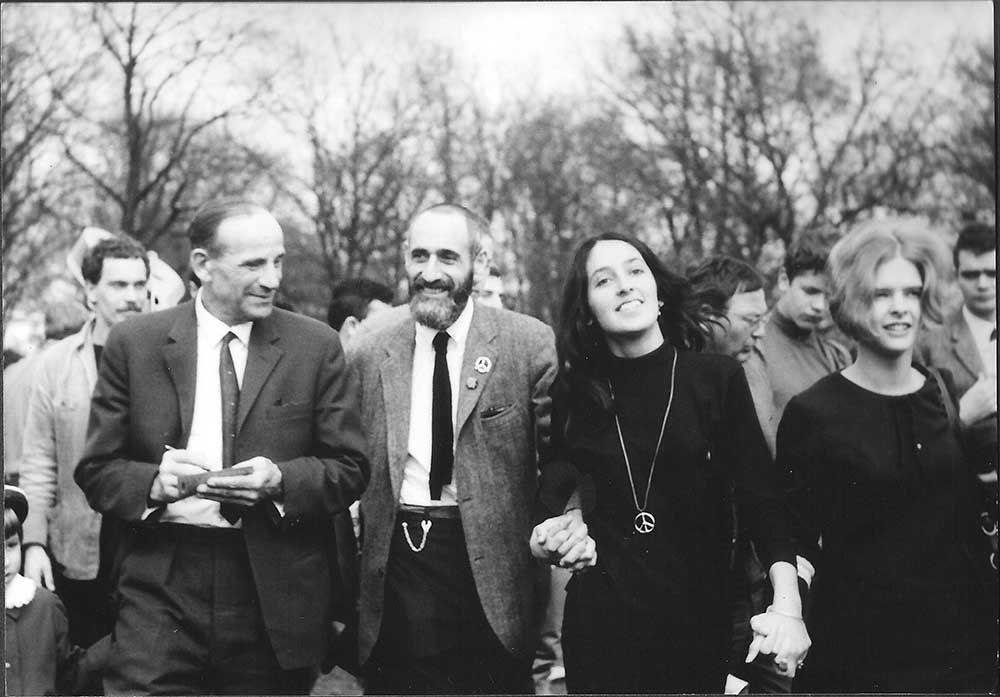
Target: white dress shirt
x,y
417,470
206,423
981,330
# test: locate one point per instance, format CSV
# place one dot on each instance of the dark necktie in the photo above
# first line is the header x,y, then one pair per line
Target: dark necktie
x,y
442,432
230,391
993,334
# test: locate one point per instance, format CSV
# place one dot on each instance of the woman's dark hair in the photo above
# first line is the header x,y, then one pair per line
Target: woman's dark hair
x,y
584,357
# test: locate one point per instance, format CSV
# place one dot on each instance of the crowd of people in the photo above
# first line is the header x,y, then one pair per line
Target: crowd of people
x,y
681,486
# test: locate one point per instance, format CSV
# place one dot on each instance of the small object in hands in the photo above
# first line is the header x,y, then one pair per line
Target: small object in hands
x,y
187,484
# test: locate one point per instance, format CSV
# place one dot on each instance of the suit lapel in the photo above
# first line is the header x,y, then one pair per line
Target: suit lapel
x,y
479,348
396,374
964,347
262,356
181,356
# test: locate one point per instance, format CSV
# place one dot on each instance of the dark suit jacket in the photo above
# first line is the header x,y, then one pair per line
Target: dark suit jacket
x,y
953,349
298,407
502,434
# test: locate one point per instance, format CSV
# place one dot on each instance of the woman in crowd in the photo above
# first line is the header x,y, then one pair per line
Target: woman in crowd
x,y
883,503
655,438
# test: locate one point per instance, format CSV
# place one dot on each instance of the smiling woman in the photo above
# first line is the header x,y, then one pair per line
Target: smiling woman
x,y
656,437
879,475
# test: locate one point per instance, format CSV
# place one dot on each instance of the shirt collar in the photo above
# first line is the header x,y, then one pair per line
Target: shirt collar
x,y
977,325
19,593
212,329
458,330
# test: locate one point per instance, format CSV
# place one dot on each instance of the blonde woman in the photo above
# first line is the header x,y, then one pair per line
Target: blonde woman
x,y
883,499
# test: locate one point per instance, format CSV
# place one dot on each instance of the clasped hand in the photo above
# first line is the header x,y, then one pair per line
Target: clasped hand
x,y
782,635
564,541
261,482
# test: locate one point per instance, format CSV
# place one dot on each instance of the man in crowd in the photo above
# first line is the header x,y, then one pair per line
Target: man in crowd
x,y
967,343
352,302
731,292
62,534
226,433
490,290
794,353
455,400
62,318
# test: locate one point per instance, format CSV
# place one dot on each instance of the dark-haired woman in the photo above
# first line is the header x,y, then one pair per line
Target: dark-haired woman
x,y
658,441
884,503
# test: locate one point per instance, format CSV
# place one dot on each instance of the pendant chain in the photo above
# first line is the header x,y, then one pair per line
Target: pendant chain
x,y
659,441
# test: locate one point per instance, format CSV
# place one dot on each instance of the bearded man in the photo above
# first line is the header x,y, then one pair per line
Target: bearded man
x,y
455,402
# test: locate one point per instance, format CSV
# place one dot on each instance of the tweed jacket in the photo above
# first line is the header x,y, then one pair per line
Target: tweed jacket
x,y
502,436
298,407
55,429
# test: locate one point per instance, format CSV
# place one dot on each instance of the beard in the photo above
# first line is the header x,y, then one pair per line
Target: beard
x,y
439,312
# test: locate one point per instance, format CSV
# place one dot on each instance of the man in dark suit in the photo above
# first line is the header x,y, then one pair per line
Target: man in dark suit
x,y
455,402
224,585
966,345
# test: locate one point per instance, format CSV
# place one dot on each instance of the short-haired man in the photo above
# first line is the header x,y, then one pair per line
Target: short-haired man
x,y
731,293
63,318
794,353
490,290
62,535
352,302
224,584
455,400
966,345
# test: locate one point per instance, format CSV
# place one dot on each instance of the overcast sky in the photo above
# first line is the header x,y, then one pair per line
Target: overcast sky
x,y
548,45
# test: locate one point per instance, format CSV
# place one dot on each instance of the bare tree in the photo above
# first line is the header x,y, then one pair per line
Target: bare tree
x,y
162,138
568,178
970,151
364,178
37,192
749,134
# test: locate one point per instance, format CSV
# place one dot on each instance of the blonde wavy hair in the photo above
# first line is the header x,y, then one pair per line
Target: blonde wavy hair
x,y
855,259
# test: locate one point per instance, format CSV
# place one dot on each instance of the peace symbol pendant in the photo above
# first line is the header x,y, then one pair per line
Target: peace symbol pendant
x,y
644,522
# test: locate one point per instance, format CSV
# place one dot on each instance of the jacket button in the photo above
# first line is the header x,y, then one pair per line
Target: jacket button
x,y
919,447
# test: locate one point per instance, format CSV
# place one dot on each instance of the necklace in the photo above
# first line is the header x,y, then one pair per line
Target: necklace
x,y
644,520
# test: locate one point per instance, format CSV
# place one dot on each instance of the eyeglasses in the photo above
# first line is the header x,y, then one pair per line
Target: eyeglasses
x,y
974,274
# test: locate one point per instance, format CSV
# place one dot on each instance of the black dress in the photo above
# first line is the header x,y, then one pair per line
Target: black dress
x,y
654,615
902,600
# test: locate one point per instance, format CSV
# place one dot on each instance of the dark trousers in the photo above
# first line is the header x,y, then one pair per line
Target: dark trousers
x,y
88,607
435,638
188,619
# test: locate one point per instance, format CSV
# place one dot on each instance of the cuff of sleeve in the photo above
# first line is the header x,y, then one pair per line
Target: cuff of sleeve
x,y
146,514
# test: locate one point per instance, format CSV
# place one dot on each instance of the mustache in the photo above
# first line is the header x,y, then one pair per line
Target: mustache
x,y
441,284
131,307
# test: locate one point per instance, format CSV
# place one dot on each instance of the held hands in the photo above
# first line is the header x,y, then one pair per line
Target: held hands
x,y
783,635
563,541
175,462
38,566
262,482
979,401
